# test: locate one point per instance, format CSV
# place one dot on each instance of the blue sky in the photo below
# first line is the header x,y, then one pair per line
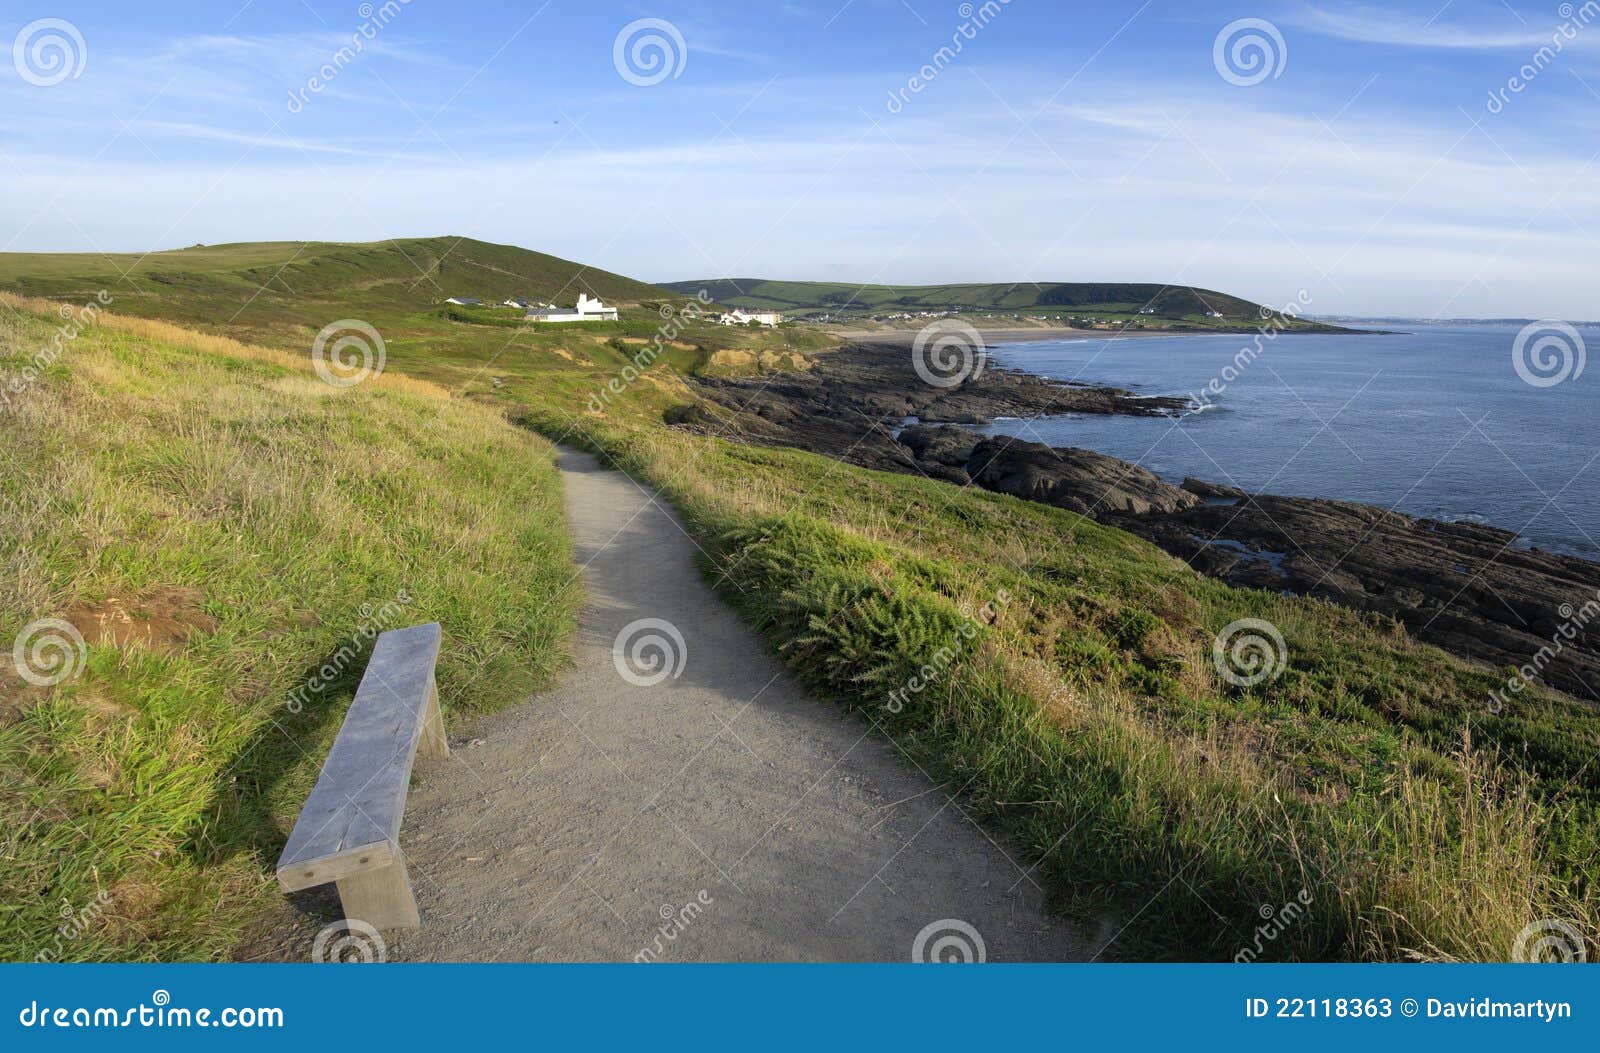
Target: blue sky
x,y
1063,142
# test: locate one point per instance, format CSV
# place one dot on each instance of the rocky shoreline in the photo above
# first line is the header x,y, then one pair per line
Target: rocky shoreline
x,y
853,401
1466,588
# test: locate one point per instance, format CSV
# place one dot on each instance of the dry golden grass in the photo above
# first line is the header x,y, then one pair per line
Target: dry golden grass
x,y
1091,726
218,521
175,336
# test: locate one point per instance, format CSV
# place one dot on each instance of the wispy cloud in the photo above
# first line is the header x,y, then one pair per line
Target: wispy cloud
x,y
293,53
1149,168
1371,25
158,130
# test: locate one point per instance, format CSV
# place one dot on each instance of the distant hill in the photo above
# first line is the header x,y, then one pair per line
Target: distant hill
x,y
280,280
802,298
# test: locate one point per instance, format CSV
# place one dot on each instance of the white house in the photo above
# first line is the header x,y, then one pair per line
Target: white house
x,y
463,301
524,304
738,317
587,310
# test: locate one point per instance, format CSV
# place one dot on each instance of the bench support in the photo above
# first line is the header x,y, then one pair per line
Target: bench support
x,y
382,898
348,832
433,742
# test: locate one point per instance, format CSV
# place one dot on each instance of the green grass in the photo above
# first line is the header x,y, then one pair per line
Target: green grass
x,y
413,270
1063,301
1086,723
280,294
262,290
147,798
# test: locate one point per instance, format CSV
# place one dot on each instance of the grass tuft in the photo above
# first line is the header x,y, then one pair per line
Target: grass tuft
x,y
221,527
1367,798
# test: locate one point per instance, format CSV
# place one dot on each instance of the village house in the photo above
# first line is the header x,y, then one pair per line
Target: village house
x,y
587,310
462,301
739,317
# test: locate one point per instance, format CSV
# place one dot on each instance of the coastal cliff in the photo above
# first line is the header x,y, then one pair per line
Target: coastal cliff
x,y
1467,588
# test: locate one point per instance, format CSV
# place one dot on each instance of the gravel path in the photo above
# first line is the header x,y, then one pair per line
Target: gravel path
x,y
720,805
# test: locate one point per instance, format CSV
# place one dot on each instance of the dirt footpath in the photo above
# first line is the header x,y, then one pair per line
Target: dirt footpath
x,y
700,807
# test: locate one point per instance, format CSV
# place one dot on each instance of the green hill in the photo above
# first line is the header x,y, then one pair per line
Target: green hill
x,y
282,293
218,526
1084,718
266,283
1054,298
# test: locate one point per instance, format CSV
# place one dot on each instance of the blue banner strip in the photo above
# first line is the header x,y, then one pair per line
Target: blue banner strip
x,y
765,1007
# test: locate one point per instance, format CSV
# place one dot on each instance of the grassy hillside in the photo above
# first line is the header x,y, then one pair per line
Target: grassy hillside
x,y
220,526
281,294
1082,714
1055,300
270,283
1083,717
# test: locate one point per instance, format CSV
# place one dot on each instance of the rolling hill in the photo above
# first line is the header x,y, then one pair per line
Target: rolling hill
x,y
283,293
251,284
802,298
1086,719
263,521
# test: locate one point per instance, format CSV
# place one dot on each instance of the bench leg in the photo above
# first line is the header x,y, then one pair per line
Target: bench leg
x,y
433,742
381,898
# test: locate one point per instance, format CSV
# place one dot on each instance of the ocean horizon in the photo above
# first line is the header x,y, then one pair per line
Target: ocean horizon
x,y
1436,422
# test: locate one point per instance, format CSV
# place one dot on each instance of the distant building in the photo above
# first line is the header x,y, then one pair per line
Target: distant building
x,y
1147,310
738,317
587,310
522,304
462,301
1214,314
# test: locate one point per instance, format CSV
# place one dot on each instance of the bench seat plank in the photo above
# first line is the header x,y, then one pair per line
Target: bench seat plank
x,y
351,821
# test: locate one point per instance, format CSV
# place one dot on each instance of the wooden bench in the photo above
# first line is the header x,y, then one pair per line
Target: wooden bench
x,y
349,830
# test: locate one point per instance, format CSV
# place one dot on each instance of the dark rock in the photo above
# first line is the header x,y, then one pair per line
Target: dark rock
x,y
1080,480
1465,587
849,404
1214,491
1462,586
948,446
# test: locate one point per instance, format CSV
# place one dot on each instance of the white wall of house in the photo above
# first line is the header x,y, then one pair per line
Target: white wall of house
x,y
739,317
587,310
